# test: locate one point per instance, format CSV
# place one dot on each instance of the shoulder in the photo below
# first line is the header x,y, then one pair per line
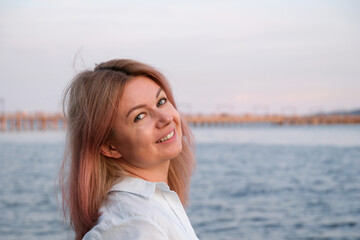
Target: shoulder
x,y
121,205
127,216
137,228
138,210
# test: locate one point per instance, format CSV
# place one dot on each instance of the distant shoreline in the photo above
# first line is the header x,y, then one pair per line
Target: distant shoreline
x,y
22,121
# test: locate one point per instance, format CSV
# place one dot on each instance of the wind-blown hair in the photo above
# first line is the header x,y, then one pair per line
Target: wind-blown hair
x,y
90,104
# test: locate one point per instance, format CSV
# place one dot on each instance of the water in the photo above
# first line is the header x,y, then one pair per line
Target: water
x,y
258,182
28,206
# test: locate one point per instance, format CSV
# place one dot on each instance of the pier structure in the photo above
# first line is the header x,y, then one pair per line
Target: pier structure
x,y
228,119
22,121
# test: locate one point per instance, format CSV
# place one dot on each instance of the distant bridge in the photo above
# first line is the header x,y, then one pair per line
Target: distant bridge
x,y
22,121
225,119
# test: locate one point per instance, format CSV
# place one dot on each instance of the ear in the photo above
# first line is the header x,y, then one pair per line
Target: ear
x,y
109,150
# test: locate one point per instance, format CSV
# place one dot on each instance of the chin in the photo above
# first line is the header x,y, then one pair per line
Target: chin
x,y
175,152
178,150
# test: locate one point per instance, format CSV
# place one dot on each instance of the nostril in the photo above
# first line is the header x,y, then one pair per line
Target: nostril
x,y
163,122
164,117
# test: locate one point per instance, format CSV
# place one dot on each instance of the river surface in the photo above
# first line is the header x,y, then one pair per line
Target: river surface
x,y
251,182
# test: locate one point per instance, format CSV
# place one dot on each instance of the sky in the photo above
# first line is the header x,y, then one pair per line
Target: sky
x,y
257,57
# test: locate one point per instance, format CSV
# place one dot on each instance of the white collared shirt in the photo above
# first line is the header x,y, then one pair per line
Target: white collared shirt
x,y
136,209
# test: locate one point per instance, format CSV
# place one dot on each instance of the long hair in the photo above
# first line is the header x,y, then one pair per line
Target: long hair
x,y
90,104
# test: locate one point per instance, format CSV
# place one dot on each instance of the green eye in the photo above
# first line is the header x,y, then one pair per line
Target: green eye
x,y
139,117
162,102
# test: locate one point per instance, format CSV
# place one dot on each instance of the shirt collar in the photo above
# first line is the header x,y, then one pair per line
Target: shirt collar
x,y
139,186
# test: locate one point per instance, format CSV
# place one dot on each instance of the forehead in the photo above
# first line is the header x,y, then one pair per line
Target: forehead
x,y
139,86
138,90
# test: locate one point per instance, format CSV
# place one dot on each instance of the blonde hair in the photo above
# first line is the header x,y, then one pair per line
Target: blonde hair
x,y
90,104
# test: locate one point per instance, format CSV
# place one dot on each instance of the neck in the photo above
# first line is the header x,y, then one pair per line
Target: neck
x,y
158,173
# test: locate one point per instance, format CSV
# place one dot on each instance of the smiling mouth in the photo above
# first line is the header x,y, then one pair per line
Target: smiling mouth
x,y
167,137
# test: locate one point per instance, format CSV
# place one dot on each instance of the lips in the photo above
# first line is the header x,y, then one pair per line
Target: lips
x,y
166,137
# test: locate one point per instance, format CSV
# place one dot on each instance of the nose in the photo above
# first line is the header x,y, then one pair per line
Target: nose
x,y
164,118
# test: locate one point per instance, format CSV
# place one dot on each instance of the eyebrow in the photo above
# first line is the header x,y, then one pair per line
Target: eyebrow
x,y
142,105
158,92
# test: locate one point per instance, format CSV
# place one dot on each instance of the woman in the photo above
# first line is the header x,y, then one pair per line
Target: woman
x,y
129,157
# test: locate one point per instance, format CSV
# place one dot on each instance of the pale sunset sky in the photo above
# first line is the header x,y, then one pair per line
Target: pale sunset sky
x,y
219,56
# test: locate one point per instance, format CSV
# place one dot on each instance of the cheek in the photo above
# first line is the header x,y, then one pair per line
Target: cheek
x,y
143,135
177,119
139,140
124,142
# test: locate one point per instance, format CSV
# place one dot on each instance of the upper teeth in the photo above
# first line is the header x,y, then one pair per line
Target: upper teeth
x,y
167,137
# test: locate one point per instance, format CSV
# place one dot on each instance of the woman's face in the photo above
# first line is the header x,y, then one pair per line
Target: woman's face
x,y
147,127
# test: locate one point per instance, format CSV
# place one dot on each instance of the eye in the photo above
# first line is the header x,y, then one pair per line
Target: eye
x,y
139,117
161,102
